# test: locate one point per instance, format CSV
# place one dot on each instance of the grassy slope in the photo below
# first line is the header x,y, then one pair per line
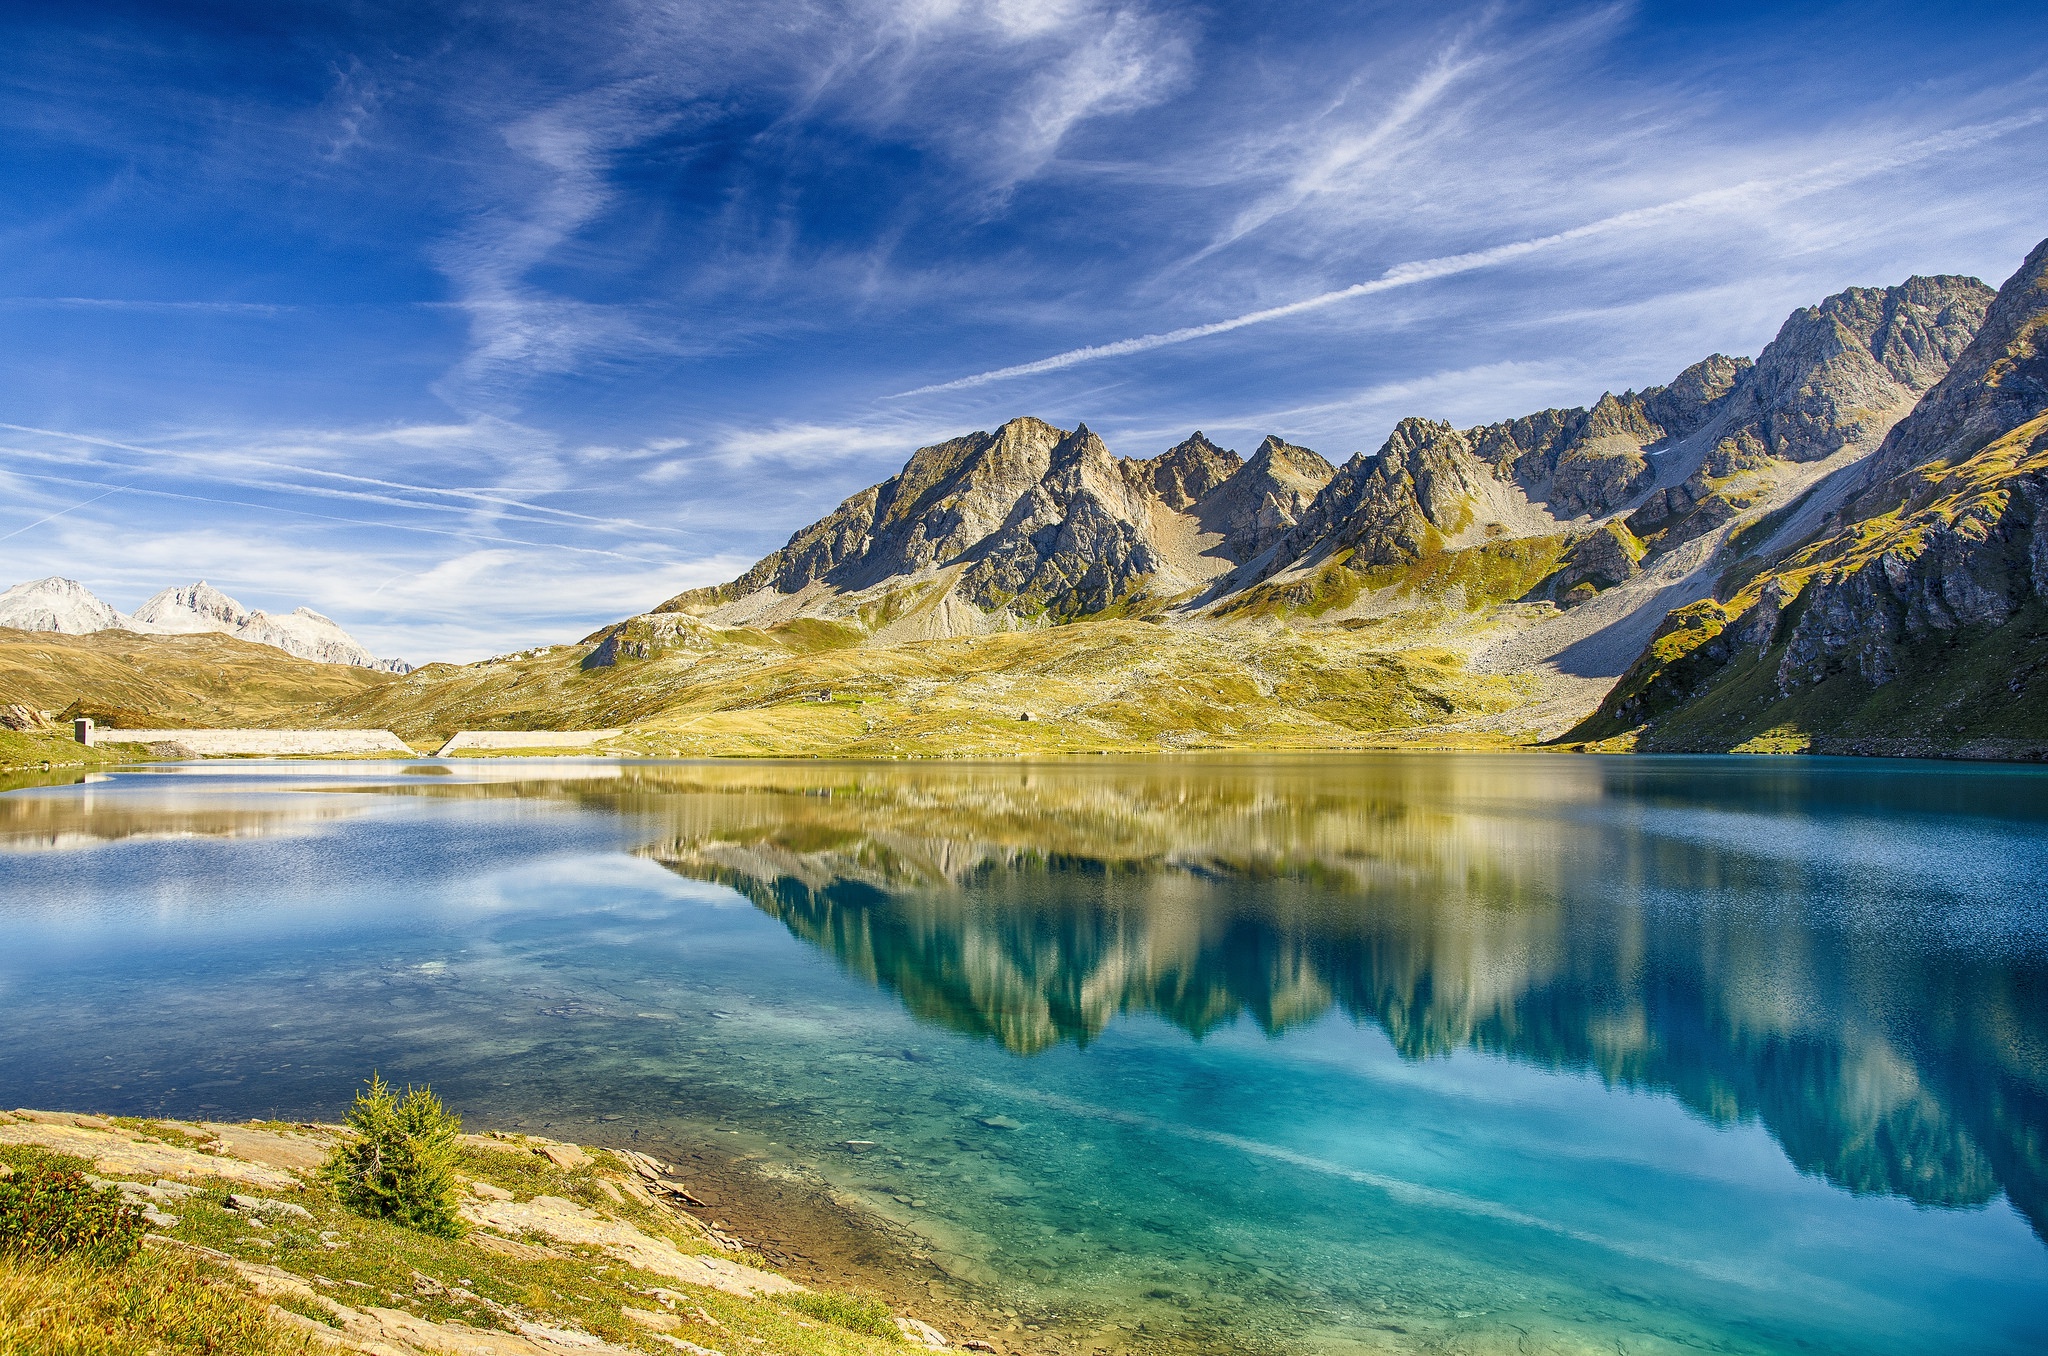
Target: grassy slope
x,y
1472,577
53,748
1977,692
1108,684
123,679
1270,677
167,1302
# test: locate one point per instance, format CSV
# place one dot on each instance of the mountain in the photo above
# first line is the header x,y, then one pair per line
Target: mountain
x,y
126,678
1576,572
1904,612
68,607
53,604
1546,549
302,631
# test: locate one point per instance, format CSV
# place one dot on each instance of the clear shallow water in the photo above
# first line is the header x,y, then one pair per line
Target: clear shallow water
x,y
1452,1052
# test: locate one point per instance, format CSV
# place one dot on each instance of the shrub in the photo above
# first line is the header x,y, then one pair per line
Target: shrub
x,y
56,1212
855,1313
399,1162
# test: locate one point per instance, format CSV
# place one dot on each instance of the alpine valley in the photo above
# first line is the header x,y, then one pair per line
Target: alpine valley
x,y
1831,548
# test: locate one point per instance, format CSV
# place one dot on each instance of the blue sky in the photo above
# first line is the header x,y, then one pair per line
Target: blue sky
x,y
478,325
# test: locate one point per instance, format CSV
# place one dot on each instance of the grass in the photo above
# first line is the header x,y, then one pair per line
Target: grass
x,y
120,678
157,1305
1469,578
54,749
855,1313
1117,684
172,1301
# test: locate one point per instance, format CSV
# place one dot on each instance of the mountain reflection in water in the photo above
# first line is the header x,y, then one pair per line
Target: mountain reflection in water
x,y
1784,948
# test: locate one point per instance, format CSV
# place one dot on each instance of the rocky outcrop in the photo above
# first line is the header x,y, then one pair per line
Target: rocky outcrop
x,y
1601,559
1185,474
1948,539
1407,498
1591,461
1264,500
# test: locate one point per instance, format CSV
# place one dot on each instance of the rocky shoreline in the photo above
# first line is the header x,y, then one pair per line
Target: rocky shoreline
x,y
692,1250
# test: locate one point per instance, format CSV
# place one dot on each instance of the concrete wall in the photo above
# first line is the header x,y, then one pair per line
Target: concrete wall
x,y
209,742
525,739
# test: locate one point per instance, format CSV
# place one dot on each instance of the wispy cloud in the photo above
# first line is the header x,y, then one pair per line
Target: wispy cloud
x,y
1750,194
461,311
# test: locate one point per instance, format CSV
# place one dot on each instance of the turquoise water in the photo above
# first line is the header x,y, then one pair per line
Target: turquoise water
x,y
1423,1053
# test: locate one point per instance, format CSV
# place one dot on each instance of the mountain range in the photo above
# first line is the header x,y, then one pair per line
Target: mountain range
x,y
1829,548
69,608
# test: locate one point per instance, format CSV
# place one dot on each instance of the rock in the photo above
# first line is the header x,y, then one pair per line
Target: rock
x,y
24,720
651,1318
976,1344
266,1209
577,1225
1600,559
490,1191
564,1156
116,1151
923,1334
1000,1123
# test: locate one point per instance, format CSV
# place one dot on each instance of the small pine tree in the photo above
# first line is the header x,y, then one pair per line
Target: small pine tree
x,y
399,1161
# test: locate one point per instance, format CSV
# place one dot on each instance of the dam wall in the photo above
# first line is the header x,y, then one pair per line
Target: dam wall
x,y
210,743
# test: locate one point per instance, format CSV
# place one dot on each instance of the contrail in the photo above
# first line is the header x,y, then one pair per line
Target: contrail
x,y
1426,270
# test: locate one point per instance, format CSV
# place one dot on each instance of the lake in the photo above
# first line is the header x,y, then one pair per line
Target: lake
x,y
1431,1052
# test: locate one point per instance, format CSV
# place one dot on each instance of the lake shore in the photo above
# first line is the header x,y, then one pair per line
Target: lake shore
x,y
243,1200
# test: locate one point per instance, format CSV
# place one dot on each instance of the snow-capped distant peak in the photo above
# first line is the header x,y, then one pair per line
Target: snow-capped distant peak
x,y
55,604
65,605
194,607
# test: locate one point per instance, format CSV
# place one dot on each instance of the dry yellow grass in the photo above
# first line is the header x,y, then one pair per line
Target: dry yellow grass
x,y
121,678
156,1305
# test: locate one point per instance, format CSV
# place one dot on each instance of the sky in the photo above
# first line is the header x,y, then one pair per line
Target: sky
x,y
476,326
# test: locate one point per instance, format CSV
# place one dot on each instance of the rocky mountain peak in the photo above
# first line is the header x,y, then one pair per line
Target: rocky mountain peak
x,y
1995,384
1841,373
192,608
1264,499
1186,472
1416,490
57,604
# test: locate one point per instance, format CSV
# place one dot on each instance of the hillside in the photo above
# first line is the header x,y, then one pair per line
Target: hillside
x,y
1913,619
565,1251
123,678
